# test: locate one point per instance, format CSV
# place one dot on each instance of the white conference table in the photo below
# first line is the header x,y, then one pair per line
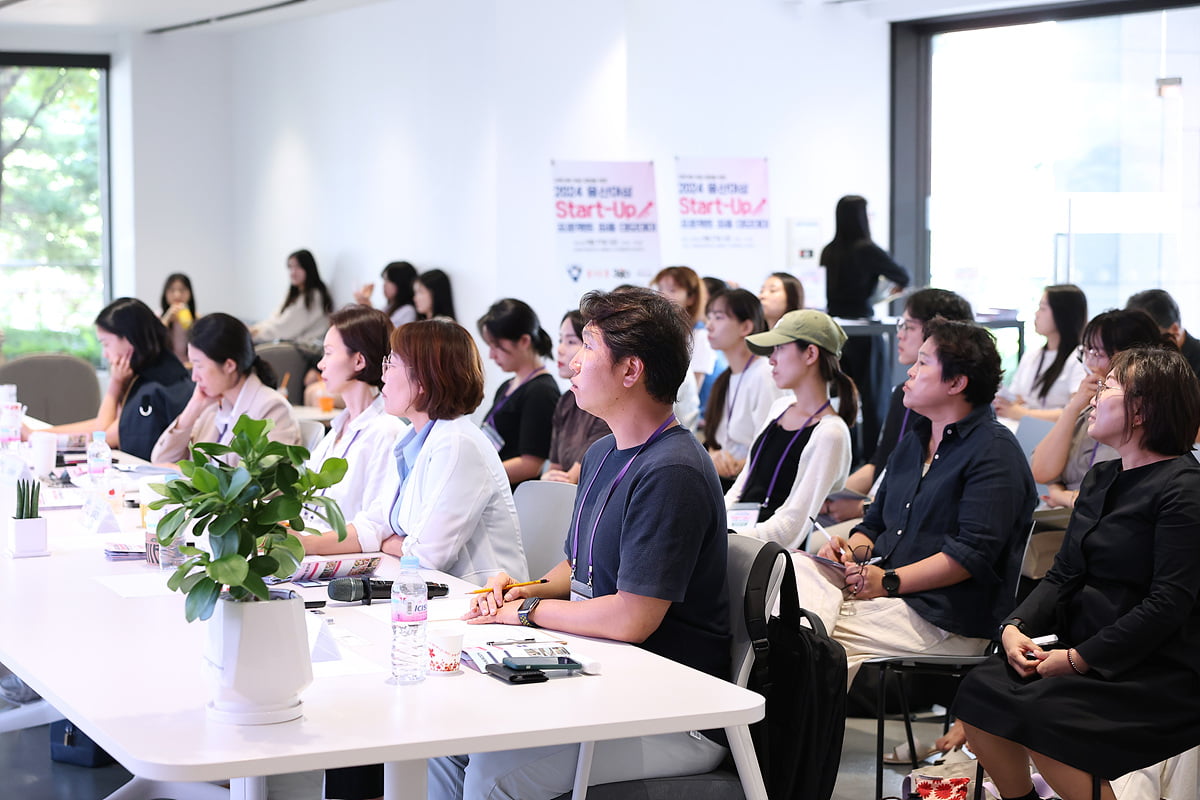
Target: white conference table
x,y
127,671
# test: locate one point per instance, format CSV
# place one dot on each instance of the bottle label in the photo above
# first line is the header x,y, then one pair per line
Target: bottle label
x,y
409,610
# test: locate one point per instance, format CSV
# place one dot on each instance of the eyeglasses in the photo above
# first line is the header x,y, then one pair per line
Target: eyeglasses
x,y
904,325
388,362
1102,387
1084,353
861,555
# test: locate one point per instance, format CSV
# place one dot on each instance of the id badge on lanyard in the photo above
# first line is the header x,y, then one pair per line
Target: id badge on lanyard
x,y
742,515
493,436
580,589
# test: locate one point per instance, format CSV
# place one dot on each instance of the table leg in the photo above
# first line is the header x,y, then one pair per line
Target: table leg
x,y
248,788
583,770
145,789
405,780
742,747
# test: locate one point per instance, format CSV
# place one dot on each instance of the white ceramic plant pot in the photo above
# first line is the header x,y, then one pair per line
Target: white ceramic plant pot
x,y
27,538
257,660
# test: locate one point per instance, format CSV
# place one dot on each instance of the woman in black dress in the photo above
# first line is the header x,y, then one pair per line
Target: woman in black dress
x,y
1120,689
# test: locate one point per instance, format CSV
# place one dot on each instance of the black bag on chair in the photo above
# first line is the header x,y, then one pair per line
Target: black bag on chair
x,y
801,672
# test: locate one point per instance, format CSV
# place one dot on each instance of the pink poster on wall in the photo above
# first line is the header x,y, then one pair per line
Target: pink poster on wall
x,y
605,223
724,217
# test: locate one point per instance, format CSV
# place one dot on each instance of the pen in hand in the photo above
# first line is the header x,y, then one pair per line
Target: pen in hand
x,y
510,586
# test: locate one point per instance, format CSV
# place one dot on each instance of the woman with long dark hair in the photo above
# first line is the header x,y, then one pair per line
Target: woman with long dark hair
x,y
231,380
178,304
781,292
1047,376
742,395
147,386
433,296
521,418
854,266
1117,692
802,452
398,278
304,315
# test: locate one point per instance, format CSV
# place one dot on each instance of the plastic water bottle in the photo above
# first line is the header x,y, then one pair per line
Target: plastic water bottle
x,y
410,602
99,458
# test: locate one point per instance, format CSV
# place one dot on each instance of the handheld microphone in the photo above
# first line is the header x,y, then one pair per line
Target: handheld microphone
x,y
364,590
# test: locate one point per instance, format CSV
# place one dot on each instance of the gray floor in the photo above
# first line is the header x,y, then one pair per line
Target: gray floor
x,y
29,774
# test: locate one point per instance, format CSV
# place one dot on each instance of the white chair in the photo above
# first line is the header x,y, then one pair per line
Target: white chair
x,y
311,433
544,511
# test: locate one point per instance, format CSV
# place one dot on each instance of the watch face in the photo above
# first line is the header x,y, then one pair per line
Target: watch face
x,y
891,582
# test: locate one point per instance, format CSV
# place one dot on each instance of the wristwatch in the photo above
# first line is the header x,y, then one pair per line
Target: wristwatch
x,y
1016,622
891,583
526,609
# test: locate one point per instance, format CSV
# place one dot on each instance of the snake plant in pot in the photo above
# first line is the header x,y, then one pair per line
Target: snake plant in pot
x,y
28,528
248,497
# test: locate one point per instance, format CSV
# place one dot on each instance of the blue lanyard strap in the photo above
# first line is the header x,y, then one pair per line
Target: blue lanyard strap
x,y
762,443
499,405
611,489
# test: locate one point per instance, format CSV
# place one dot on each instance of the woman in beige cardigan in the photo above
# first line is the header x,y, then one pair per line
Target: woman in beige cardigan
x,y
230,381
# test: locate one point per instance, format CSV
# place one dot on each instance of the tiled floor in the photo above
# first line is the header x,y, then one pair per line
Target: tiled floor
x,y
27,773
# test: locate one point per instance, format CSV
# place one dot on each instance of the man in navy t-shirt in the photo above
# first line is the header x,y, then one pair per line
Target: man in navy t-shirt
x,y
645,553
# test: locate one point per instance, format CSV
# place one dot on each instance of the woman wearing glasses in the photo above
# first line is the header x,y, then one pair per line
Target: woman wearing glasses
x,y
1066,454
802,452
1118,691
447,499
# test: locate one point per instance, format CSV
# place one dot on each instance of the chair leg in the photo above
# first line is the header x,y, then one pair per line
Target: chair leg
x,y
908,732
880,706
1095,787
978,780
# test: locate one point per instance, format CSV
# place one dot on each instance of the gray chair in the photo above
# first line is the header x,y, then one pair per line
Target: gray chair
x,y
311,433
55,387
544,511
288,362
722,783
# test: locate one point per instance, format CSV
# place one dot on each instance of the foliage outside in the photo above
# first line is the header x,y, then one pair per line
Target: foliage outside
x,y
246,510
51,215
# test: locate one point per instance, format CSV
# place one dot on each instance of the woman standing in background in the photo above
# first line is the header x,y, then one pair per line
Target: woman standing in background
x,y
853,266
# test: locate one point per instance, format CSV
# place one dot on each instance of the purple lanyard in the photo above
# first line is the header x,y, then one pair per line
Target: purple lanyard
x,y
778,466
903,425
1092,460
611,489
496,408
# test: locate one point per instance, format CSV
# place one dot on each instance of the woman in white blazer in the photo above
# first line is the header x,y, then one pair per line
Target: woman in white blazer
x,y
448,502
230,381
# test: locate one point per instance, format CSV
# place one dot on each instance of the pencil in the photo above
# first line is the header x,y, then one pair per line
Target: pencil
x,y
510,586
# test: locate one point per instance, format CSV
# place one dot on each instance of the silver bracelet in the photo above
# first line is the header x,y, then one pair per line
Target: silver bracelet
x,y
1071,661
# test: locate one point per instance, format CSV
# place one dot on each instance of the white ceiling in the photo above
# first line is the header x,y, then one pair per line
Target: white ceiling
x,y
146,15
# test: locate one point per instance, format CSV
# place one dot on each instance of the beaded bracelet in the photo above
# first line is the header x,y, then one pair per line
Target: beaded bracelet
x,y
1071,661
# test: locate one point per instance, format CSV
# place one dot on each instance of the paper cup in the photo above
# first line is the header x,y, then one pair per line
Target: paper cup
x,y
445,650
42,450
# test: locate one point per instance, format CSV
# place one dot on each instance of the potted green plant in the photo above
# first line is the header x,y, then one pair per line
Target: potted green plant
x,y
247,497
28,529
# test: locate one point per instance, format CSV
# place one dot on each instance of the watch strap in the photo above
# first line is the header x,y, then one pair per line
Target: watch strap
x,y
524,611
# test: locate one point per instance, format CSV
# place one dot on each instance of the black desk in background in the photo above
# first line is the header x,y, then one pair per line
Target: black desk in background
x,y
887,329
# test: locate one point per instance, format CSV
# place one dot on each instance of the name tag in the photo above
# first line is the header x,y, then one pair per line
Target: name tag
x,y
742,515
98,516
580,590
493,436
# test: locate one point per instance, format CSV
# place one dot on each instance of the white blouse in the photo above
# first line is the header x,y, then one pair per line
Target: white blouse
x,y
1033,364
748,401
366,444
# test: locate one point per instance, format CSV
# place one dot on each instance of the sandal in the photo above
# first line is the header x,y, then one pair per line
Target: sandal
x,y
899,754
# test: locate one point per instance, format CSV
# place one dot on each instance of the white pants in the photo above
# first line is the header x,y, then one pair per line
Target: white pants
x,y
1174,779
884,626
542,773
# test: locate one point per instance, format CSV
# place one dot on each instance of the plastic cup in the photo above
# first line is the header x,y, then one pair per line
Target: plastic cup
x,y
42,449
325,403
445,650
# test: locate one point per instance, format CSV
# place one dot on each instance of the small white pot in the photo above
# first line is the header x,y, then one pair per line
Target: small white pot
x,y
257,660
27,538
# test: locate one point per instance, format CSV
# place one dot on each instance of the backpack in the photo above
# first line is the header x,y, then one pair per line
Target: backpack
x,y
801,672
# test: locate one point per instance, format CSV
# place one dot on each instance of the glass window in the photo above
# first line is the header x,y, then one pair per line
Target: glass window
x,y
54,257
1060,152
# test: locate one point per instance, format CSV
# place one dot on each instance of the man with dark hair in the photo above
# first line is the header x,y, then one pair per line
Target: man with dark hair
x,y
645,552
921,307
933,566
1165,311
